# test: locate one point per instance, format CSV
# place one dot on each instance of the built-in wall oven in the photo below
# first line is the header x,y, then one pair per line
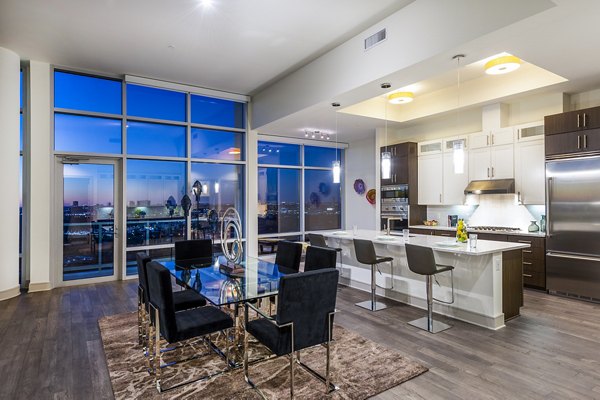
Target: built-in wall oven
x,y
394,207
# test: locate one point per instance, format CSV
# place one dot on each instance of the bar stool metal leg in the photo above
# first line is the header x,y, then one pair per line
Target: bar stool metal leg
x,y
372,304
427,323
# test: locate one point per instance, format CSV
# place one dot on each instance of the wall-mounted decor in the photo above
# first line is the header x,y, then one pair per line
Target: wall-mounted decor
x,y
371,196
359,186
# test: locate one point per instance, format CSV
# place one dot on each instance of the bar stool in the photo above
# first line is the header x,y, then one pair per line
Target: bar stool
x,y
422,261
319,241
365,254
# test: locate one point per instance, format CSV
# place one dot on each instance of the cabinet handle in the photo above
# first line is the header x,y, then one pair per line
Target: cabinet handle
x,y
584,121
578,141
527,263
487,140
492,172
528,276
440,197
492,139
584,140
488,172
527,251
524,241
578,124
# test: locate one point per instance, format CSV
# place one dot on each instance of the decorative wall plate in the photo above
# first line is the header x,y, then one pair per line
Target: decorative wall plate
x,y
371,196
359,186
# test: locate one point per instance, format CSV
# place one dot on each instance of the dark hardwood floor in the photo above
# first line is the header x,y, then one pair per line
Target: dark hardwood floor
x,y
51,349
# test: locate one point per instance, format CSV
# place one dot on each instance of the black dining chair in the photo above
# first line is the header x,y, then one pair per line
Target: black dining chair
x,y
316,239
289,255
193,249
365,254
175,327
183,299
319,258
421,260
305,309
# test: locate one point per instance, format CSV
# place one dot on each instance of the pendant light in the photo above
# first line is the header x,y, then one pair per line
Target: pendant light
x,y
386,156
458,150
337,167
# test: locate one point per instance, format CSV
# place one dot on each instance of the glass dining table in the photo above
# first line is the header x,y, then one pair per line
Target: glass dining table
x,y
223,283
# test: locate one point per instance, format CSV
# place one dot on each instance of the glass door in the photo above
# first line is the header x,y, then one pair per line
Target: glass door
x,y
89,219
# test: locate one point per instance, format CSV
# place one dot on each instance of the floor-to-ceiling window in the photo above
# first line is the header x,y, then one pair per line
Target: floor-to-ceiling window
x,y
166,140
296,193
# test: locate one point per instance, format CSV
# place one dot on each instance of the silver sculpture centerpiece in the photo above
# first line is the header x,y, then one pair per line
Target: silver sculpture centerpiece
x,y
231,236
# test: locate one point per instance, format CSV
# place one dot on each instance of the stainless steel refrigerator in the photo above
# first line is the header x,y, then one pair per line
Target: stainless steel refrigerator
x,y
573,226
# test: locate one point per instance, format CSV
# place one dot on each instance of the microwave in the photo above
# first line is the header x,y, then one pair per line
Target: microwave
x,y
394,192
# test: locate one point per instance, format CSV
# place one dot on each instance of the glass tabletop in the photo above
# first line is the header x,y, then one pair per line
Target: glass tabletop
x,y
223,283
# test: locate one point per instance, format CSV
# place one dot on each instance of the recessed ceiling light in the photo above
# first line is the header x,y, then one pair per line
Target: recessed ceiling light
x,y
401,97
206,3
502,65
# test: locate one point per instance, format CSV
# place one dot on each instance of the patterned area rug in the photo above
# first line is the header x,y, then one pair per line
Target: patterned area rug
x,y
360,367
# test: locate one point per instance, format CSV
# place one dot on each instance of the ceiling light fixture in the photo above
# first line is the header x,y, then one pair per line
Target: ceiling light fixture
x,y
401,97
502,65
386,156
305,133
206,3
337,168
458,149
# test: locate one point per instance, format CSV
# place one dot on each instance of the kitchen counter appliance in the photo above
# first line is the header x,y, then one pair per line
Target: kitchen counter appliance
x,y
573,226
394,207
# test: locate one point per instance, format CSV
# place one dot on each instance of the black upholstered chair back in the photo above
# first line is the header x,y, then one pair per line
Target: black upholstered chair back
x,y
319,258
191,249
317,240
420,259
288,255
142,259
161,296
307,299
365,251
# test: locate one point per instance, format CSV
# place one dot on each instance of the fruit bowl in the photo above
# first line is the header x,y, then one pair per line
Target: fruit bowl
x,y
431,222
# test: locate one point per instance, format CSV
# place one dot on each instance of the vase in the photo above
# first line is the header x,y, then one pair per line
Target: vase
x,y
543,224
533,227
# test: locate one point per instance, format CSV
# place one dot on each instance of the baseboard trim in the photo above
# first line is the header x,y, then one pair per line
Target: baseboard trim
x,y
10,293
39,287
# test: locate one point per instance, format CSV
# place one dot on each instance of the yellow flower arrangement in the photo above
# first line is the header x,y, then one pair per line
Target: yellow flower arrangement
x,y
461,232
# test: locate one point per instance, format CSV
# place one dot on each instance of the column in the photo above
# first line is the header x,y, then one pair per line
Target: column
x,y
39,202
9,176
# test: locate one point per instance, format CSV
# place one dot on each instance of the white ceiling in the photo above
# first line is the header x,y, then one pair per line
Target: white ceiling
x,y
234,45
561,39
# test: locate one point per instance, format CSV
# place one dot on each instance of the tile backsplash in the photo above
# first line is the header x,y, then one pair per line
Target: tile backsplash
x,y
494,210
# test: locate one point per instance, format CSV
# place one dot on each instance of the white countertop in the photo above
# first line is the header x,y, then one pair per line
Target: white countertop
x,y
448,228
437,243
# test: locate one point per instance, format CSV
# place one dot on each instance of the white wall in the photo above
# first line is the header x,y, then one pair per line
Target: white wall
x,y
10,65
360,163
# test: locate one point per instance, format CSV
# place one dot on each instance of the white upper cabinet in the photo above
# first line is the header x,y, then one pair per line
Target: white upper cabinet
x,y
429,147
530,171
497,137
531,131
479,163
456,178
430,179
502,162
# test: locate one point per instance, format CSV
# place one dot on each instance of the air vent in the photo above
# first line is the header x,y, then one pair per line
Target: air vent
x,y
375,39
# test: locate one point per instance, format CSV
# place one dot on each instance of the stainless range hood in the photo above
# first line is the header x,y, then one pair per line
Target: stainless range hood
x,y
495,186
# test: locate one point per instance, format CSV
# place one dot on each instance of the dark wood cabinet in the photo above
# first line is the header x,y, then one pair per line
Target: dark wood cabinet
x,y
420,231
573,132
573,142
404,169
441,232
534,260
571,121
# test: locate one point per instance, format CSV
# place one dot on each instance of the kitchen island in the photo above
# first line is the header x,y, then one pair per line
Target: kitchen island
x,y
488,281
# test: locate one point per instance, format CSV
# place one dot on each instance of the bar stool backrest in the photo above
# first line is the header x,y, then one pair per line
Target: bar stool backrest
x,y
420,259
365,251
